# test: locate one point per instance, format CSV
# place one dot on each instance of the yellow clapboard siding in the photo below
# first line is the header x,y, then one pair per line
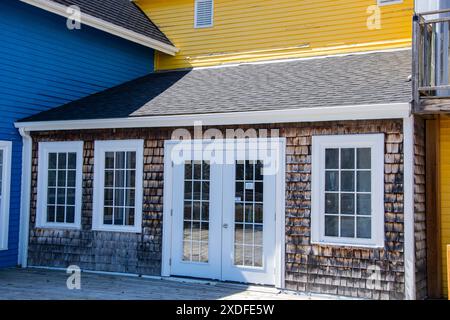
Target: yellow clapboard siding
x,y
255,30
445,196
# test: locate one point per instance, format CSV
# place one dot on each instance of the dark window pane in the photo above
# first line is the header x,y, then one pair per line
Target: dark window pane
x,y
61,196
239,212
206,169
196,231
109,178
109,197
249,189
62,178
331,180
188,210
131,160
248,213
348,158
363,181
51,213
347,203
60,214
52,160
119,216
119,197
249,166
197,186
259,213
347,181
188,170
196,211
205,231
70,214
259,171
197,170
107,215
239,191
51,196
109,160
239,233
205,190
71,196
205,211
62,160
331,226
52,178
129,216
364,206
259,191
364,161
332,203
72,161
188,190
240,170
331,158
364,228
119,178
130,178
120,160
71,174
129,197
347,227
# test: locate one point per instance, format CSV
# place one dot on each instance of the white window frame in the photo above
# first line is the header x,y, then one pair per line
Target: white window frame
x,y
319,144
391,2
6,146
99,180
41,206
196,26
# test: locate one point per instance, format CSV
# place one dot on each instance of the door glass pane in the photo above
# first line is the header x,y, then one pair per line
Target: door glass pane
x,y
196,211
248,219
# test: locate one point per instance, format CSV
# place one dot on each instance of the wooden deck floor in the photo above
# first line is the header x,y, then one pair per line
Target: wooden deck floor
x,y
42,284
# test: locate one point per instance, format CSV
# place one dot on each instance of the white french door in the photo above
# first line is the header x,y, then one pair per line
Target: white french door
x,y
223,217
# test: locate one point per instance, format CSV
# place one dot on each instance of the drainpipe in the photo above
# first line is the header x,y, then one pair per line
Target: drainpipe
x,y
408,208
25,197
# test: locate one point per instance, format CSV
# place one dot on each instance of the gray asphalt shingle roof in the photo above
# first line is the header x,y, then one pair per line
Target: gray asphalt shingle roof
x,y
372,78
123,13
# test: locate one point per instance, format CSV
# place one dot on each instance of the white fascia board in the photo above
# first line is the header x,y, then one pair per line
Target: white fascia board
x,y
356,112
105,26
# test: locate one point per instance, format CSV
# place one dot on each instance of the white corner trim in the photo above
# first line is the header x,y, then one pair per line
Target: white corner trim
x,y
354,112
25,197
408,185
6,146
102,25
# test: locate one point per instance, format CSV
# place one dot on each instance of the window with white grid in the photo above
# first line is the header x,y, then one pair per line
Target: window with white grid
x,y
59,184
118,185
348,181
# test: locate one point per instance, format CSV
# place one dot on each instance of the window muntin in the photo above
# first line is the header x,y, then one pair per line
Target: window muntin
x,y
204,12
347,190
118,178
59,184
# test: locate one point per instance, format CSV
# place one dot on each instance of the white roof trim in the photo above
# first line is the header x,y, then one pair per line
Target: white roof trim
x,y
109,27
355,112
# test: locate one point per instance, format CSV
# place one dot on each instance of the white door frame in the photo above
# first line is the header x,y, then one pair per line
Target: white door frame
x,y
280,208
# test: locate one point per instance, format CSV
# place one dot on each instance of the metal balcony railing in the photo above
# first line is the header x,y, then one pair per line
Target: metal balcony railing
x,y
431,55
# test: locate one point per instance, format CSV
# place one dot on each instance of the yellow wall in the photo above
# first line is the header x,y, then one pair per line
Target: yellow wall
x,y
445,195
252,30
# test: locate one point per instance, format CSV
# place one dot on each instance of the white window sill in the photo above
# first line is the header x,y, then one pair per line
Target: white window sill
x,y
58,226
346,244
3,249
108,228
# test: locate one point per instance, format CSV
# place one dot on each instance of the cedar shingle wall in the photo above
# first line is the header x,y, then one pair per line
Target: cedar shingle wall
x,y
309,268
419,208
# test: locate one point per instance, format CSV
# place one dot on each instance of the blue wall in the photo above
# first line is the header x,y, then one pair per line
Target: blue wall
x,y
44,65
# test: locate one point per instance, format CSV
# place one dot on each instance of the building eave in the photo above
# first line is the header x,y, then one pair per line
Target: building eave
x,y
339,113
105,26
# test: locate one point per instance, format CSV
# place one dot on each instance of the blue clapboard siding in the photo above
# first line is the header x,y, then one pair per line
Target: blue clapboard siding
x,y
44,65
